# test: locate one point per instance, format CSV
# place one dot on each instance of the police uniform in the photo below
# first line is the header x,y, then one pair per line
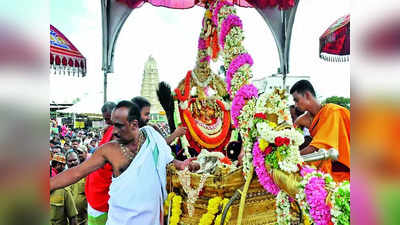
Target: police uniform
x,y
78,194
62,207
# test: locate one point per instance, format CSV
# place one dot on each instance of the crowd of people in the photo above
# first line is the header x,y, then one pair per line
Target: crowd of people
x,y
117,176
68,148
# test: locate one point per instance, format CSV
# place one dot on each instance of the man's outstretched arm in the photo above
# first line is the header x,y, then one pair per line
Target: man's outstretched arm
x,y
74,174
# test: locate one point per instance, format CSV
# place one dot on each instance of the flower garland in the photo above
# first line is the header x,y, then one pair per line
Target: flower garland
x,y
201,44
282,4
274,103
312,196
263,176
215,46
185,96
236,63
167,201
210,128
192,194
176,210
241,77
245,93
178,122
217,8
176,207
268,133
228,214
283,209
231,21
202,138
340,201
212,209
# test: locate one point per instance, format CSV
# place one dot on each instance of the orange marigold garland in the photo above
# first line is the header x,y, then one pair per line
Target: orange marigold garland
x,y
198,139
185,95
215,46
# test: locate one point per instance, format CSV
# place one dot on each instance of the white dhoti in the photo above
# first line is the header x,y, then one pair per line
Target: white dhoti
x,y
137,195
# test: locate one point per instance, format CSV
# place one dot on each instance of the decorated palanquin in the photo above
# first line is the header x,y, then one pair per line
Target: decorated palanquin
x,y
207,117
270,182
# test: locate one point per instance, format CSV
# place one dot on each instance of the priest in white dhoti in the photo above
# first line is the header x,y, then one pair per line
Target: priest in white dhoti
x,y
139,158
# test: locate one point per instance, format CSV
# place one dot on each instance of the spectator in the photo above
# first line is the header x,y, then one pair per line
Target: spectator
x,y
78,190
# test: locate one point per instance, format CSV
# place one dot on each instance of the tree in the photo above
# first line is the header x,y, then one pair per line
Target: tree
x,y
342,101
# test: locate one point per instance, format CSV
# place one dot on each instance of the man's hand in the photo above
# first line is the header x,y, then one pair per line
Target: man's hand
x,y
180,131
307,150
181,165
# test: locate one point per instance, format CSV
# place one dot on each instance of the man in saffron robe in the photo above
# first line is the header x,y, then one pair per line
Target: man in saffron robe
x,y
139,158
330,128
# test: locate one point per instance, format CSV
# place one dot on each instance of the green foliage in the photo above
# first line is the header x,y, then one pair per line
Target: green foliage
x,y
342,101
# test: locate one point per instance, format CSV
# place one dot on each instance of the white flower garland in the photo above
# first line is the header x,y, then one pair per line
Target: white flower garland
x,y
290,162
178,122
192,194
267,133
246,122
242,75
283,208
277,106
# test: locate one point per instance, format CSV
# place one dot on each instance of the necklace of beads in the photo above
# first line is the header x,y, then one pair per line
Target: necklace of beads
x,y
128,153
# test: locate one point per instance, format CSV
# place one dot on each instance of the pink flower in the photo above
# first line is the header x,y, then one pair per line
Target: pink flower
x,y
201,44
236,63
246,92
218,7
264,177
306,170
207,58
231,21
315,197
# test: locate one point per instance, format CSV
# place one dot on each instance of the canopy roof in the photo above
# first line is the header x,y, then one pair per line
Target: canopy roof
x,y
64,56
89,104
335,41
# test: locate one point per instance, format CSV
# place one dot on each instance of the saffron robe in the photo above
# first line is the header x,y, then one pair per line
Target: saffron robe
x,y
330,128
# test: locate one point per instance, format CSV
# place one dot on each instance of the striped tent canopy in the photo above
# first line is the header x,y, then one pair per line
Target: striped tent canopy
x,y
334,43
64,56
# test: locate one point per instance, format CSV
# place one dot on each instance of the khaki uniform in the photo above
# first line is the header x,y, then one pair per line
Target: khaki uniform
x,y
62,207
78,194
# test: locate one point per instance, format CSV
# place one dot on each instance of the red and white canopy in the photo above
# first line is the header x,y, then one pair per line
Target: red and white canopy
x,y
64,56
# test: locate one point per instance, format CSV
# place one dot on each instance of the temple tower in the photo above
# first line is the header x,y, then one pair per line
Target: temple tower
x,y
149,86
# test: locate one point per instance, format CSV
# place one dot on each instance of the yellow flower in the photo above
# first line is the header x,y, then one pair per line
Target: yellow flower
x,y
213,205
263,144
306,220
176,209
228,214
167,201
218,219
173,220
208,14
272,124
